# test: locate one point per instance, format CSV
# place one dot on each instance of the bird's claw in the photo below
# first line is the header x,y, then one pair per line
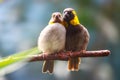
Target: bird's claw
x,y
82,51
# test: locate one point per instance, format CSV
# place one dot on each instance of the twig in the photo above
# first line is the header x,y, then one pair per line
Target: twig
x,y
66,55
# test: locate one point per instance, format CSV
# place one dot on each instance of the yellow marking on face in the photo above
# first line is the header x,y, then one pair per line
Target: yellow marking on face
x,y
75,21
51,22
63,23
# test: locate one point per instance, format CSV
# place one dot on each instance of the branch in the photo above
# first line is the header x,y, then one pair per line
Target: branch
x,y
66,55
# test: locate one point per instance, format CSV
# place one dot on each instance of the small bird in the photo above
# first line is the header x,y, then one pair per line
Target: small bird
x,y
77,37
52,39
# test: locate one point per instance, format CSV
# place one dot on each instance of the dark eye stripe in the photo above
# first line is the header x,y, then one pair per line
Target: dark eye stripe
x,y
64,11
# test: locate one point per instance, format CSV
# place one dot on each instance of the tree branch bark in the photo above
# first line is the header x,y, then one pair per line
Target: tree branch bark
x,y
66,55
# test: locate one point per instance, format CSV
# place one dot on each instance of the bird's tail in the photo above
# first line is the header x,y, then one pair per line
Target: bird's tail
x,y
73,64
48,66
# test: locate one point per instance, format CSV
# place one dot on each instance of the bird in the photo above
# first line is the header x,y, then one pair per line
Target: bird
x,y
77,37
52,40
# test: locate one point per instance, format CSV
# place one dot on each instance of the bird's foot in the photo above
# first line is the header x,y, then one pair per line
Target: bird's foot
x,y
44,55
82,51
70,53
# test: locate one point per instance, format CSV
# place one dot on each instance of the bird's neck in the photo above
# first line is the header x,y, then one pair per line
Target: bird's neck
x,y
56,22
75,21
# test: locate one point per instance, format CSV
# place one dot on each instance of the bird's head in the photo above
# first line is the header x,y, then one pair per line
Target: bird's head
x,y
70,16
56,18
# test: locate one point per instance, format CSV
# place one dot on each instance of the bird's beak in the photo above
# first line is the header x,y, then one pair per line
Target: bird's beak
x,y
56,17
65,16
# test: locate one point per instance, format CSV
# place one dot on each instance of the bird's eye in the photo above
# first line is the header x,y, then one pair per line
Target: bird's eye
x,y
53,15
59,15
70,12
65,12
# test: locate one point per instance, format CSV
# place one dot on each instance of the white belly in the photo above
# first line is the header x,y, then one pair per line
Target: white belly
x,y
52,38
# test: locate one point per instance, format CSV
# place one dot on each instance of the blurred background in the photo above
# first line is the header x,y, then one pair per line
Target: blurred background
x,y
21,21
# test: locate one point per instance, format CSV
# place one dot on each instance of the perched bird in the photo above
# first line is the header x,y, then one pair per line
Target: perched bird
x,y
52,39
77,37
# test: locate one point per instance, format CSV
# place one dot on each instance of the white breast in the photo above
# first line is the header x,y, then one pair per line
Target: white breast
x,y
52,38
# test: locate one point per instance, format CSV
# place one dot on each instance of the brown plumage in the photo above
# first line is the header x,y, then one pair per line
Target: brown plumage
x,y
77,37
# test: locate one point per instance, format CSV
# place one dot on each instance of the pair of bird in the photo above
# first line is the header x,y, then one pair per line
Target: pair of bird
x,y
63,33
